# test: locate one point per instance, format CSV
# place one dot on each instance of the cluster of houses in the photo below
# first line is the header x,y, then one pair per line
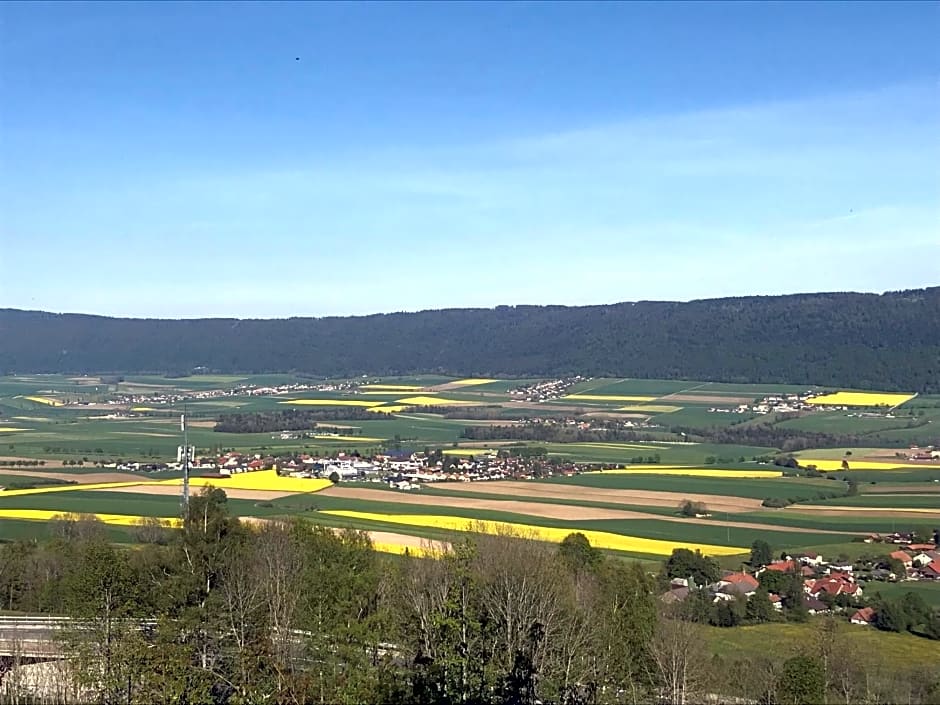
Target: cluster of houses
x,y
410,471
405,469
928,453
827,587
239,391
545,389
773,404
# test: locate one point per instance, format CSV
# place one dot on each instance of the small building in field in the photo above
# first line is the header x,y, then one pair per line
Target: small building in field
x,y
863,616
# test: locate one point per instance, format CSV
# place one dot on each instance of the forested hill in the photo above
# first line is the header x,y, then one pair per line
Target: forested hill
x,y
888,341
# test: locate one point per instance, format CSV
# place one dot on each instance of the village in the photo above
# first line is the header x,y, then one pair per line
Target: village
x,y
835,586
401,469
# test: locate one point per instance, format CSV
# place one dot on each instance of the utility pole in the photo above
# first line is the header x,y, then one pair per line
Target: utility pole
x,y
184,454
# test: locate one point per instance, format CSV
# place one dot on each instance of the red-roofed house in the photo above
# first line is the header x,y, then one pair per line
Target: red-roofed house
x,y
832,585
931,570
863,616
922,547
782,566
904,557
742,579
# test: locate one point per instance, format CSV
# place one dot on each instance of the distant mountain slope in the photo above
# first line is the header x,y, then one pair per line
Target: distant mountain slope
x,y
888,341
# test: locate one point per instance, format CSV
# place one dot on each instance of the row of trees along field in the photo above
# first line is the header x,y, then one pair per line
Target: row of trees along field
x,y
219,612
864,341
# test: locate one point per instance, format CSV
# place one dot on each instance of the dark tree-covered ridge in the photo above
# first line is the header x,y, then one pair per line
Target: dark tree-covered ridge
x,y
885,341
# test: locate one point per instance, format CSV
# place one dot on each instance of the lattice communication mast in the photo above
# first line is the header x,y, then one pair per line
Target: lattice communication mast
x,y
185,454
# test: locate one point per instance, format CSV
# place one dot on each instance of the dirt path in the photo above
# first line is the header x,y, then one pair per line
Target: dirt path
x,y
599,494
564,512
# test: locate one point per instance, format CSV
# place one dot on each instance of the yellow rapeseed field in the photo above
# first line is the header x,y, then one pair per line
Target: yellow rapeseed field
x,y
330,402
693,472
605,397
472,381
388,408
598,539
49,514
421,551
45,400
11,429
433,401
651,409
142,408
354,439
862,399
826,465
267,480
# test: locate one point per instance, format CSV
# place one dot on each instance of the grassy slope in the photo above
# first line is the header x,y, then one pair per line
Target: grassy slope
x,y
785,640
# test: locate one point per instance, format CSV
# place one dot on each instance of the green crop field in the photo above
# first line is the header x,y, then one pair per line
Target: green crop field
x,y
898,650
753,488
77,432
928,590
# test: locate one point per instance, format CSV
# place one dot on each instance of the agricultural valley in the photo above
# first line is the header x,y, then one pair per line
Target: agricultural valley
x,y
500,515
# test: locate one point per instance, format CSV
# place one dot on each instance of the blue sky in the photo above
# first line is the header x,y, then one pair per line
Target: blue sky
x,y
177,160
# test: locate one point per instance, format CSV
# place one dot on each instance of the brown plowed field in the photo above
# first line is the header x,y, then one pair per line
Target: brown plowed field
x,y
598,494
564,512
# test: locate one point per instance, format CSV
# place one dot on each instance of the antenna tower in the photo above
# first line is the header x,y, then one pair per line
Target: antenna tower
x,y
184,455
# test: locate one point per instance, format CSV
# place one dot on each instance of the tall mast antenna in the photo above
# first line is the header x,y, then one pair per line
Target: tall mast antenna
x,y
184,456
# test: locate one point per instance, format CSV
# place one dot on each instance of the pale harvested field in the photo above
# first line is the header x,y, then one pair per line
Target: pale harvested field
x,y
82,478
536,509
174,490
890,512
598,494
902,489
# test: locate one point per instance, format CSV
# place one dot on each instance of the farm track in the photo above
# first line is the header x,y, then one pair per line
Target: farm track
x,y
541,510
595,494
